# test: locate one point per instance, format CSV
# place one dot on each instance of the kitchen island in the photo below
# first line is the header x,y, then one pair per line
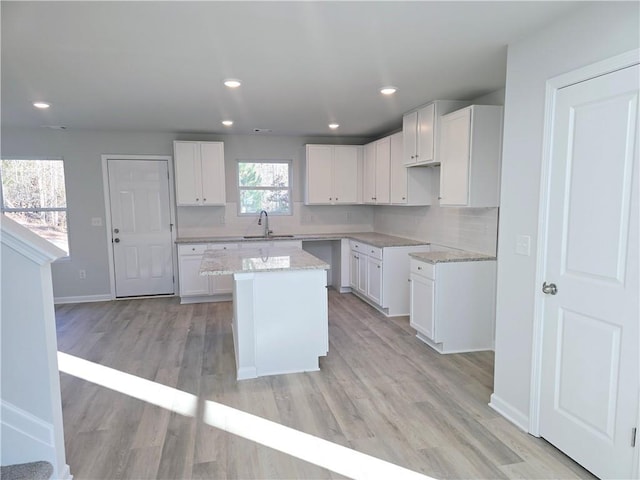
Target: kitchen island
x,y
280,313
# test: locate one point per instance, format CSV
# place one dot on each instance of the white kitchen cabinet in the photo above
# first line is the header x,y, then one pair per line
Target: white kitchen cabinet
x,y
377,166
379,275
374,280
198,288
332,174
420,132
200,177
409,186
471,144
453,304
189,260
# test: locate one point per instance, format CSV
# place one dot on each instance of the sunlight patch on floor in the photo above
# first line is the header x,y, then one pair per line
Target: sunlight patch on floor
x,y
304,446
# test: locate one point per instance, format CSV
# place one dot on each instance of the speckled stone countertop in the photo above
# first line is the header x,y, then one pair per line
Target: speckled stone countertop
x,y
379,240
267,259
451,256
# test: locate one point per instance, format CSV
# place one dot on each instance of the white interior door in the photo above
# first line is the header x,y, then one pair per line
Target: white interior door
x,y
590,363
141,227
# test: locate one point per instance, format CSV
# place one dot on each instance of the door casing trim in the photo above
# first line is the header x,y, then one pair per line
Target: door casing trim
x,y
172,212
554,84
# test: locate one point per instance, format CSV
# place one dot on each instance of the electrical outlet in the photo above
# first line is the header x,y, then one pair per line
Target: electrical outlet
x,y
221,220
96,222
82,274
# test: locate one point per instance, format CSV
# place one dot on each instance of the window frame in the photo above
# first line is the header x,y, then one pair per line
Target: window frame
x,y
64,209
240,188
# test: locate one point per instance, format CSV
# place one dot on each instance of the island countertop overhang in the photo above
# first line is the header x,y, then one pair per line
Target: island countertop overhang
x,y
254,260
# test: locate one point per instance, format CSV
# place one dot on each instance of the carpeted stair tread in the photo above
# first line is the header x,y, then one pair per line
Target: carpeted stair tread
x,y
27,471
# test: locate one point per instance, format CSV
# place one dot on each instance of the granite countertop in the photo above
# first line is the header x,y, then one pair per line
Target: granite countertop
x,y
379,240
266,259
451,256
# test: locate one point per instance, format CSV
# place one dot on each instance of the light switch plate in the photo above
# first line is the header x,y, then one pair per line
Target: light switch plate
x,y
523,245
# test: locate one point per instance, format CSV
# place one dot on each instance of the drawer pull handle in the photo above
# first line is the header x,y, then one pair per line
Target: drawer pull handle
x,y
419,268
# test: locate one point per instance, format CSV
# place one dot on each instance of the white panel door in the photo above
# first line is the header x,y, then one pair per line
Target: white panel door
x,y
319,174
188,173
425,140
422,315
590,365
345,174
383,169
454,158
369,181
213,180
374,280
141,227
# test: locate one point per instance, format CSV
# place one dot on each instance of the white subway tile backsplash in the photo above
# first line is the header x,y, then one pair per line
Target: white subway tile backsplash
x,y
472,229
225,221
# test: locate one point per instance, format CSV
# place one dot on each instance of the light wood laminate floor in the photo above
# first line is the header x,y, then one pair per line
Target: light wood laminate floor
x,y
380,391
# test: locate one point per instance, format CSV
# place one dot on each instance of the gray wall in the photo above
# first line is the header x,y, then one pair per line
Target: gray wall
x,y
593,33
82,150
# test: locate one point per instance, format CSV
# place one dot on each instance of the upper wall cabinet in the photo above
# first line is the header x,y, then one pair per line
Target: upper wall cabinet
x,y
471,141
332,174
377,165
409,186
200,176
420,132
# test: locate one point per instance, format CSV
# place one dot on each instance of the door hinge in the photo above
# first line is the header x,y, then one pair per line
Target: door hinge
x,y
634,432
171,227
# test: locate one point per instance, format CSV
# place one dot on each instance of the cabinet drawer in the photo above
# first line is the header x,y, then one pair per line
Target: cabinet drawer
x,y
192,249
222,246
374,252
357,246
423,268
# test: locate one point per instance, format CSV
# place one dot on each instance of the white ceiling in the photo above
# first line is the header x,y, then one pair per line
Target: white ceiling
x,y
159,66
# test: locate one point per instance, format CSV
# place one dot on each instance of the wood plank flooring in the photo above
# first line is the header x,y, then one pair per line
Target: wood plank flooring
x,y
380,391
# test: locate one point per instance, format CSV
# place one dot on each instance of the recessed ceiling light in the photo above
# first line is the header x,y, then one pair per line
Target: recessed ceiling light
x,y
333,126
227,123
41,105
232,82
388,90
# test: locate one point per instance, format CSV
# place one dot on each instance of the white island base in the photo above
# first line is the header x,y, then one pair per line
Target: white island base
x,y
280,321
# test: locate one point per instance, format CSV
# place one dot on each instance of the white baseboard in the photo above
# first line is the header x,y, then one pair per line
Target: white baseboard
x,y
512,414
65,473
83,299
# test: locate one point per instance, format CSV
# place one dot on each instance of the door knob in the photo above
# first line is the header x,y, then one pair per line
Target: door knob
x,y
549,288
117,240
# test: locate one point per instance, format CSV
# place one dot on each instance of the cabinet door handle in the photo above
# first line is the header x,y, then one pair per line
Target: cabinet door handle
x,y
330,198
404,198
378,266
419,268
197,199
204,199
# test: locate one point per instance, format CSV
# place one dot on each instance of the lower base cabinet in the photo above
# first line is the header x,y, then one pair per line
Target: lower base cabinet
x,y
379,276
452,304
196,288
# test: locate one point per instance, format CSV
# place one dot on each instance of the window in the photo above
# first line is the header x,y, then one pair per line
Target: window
x,y
264,185
33,194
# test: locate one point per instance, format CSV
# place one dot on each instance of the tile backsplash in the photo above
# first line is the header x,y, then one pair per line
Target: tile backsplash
x,y
225,221
473,229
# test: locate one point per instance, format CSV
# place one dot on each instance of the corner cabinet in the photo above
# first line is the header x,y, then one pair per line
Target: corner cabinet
x,y
453,304
200,174
332,174
471,144
420,132
379,276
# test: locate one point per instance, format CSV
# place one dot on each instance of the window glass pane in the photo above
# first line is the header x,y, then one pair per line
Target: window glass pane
x,y
33,184
258,174
273,201
51,226
264,186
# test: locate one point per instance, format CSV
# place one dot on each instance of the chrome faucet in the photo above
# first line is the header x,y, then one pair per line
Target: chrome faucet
x,y
267,232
